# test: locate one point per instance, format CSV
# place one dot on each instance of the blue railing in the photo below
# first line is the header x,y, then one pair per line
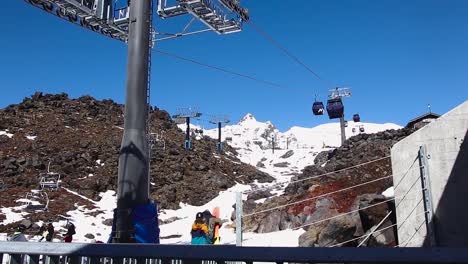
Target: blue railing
x,y
74,253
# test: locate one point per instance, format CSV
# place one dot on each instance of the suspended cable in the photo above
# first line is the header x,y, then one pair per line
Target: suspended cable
x,y
381,222
348,213
314,177
373,232
411,238
318,196
220,69
286,51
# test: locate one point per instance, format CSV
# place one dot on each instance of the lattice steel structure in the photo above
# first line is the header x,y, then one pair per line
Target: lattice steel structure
x,y
107,18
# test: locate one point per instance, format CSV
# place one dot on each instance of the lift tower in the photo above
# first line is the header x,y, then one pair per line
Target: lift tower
x,y
219,121
132,24
187,113
133,173
335,107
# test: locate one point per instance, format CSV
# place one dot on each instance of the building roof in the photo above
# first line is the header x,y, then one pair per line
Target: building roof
x,y
421,118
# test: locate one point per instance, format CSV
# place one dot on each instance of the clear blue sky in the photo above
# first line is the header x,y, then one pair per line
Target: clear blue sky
x,y
396,55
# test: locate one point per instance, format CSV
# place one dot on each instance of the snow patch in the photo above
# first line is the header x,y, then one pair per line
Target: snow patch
x,y
5,133
13,214
31,137
389,193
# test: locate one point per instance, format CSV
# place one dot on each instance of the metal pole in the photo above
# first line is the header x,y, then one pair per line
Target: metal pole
x,y
187,133
427,195
273,144
239,219
220,146
133,182
343,131
219,132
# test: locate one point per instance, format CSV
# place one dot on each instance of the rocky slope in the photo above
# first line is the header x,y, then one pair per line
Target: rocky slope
x,y
369,176
81,140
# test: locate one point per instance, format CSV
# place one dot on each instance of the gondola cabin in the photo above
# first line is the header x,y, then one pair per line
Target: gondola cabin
x,y
317,108
335,108
356,118
361,129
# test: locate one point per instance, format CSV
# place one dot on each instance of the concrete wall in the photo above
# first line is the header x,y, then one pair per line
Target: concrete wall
x,y
446,142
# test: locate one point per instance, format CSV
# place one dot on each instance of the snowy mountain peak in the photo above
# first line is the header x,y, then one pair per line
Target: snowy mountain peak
x,y
247,118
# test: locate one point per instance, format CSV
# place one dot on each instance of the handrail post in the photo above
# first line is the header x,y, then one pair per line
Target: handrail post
x,y
239,219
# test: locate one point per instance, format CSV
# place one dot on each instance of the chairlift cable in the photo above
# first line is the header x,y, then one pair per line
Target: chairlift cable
x,y
286,51
220,69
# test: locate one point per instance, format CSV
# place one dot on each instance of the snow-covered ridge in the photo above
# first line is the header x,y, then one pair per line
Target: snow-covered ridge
x,y
294,149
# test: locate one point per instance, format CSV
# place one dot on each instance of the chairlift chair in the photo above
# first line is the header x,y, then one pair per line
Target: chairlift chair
x,y
36,201
356,118
318,108
346,123
335,108
49,180
361,128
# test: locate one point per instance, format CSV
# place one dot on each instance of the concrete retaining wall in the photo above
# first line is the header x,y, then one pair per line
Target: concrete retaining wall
x,y
446,142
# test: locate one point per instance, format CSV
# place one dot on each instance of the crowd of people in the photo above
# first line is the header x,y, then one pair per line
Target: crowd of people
x,y
46,233
202,231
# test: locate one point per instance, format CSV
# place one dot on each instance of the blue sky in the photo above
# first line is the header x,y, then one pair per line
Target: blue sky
x,y
396,55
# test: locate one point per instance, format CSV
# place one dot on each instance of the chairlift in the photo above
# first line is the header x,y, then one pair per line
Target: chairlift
x,y
361,128
49,180
156,141
354,130
356,118
335,108
36,200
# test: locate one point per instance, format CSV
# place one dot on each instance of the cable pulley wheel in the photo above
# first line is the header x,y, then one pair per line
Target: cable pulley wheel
x,y
34,2
61,12
47,7
83,22
72,17
94,28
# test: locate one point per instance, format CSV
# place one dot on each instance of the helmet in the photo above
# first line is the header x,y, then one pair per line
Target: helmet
x,y
21,228
199,215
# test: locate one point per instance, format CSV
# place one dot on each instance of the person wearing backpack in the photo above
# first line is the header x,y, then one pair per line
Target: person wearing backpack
x,y
203,228
199,231
50,232
18,235
68,237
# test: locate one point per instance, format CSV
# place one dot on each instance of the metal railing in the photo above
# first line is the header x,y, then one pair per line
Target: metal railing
x,y
75,253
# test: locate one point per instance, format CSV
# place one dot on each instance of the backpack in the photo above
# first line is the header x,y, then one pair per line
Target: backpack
x,y
206,216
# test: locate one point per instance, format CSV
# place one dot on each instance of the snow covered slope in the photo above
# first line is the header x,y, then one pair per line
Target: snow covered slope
x,y
293,149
